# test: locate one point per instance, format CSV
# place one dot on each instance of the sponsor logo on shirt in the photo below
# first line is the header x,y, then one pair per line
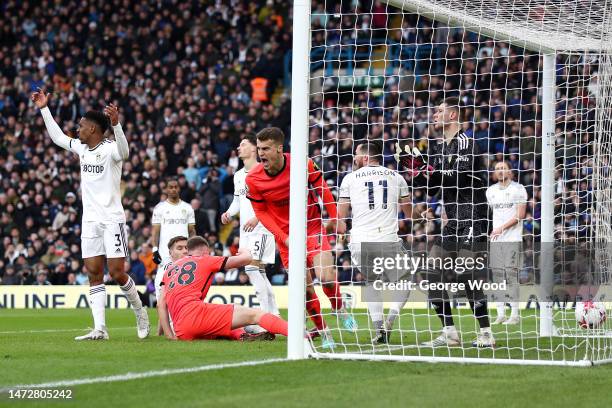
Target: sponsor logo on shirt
x,y
172,221
92,168
503,205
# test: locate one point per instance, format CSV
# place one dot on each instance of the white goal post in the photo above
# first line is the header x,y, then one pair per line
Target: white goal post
x,y
566,35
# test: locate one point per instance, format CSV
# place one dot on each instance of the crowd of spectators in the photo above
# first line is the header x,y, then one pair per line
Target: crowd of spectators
x,y
183,72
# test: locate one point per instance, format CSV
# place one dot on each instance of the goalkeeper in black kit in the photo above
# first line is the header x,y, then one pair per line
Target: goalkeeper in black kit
x,y
454,173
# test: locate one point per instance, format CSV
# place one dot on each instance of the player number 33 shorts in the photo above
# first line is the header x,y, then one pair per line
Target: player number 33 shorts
x,y
108,239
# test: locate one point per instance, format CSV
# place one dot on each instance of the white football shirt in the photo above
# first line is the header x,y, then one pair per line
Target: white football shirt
x,y
100,181
504,202
174,221
246,209
374,193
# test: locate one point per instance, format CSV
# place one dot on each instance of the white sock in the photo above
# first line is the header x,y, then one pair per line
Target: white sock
x,y
272,306
97,302
501,308
376,313
130,292
514,306
450,331
259,283
395,311
484,330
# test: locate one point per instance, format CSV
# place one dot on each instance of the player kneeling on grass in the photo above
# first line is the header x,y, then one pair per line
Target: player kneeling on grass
x,y
184,287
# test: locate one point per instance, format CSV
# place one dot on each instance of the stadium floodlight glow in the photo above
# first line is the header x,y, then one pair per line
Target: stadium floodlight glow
x,y
536,80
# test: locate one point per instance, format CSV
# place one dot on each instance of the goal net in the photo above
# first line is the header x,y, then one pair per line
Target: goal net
x,y
533,81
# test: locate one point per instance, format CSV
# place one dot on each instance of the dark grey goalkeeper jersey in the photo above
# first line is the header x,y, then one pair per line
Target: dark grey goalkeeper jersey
x,y
459,180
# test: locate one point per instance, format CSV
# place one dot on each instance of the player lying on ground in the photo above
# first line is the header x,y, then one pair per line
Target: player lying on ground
x,y
253,235
103,235
375,195
454,172
177,248
171,218
184,288
508,200
268,190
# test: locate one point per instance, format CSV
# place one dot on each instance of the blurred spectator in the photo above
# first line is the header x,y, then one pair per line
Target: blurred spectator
x,y
136,269
211,190
72,279
82,278
11,277
146,257
41,278
219,278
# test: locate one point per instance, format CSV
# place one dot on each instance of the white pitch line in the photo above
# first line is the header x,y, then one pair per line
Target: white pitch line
x,y
145,374
59,330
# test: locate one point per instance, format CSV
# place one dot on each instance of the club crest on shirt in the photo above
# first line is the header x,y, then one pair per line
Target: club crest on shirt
x,y
98,157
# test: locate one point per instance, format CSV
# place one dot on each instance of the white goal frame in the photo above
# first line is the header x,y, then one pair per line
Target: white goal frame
x,y
497,28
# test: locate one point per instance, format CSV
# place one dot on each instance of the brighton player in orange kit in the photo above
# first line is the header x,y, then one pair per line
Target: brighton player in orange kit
x,y
184,287
268,190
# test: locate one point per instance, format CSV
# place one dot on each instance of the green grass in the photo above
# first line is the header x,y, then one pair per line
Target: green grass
x,y
36,357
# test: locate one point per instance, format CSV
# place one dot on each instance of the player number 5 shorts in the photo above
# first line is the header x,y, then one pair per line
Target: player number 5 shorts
x,y
262,246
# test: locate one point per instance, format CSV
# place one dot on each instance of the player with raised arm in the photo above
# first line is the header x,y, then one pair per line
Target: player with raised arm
x,y
184,287
177,248
171,218
455,173
253,235
508,200
268,190
375,195
103,233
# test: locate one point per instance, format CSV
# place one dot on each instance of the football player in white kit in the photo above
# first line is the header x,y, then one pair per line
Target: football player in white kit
x,y
375,194
177,248
253,234
103,233
172,217
508,200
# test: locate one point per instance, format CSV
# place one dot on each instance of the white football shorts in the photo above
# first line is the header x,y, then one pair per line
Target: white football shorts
x,y
262,246
159,275
108,239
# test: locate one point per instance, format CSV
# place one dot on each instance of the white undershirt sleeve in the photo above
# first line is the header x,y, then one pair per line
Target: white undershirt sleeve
x,y
58,137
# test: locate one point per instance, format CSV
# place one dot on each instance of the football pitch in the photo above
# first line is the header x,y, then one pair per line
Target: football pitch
x,y
37,347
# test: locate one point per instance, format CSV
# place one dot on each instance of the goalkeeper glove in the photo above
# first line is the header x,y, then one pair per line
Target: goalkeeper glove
x,y
412,160
156,256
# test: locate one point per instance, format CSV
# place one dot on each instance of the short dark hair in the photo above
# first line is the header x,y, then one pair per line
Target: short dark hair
x,y
271,133
196,242
454,103
251,138
373,149
176,239
99,119
171,178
